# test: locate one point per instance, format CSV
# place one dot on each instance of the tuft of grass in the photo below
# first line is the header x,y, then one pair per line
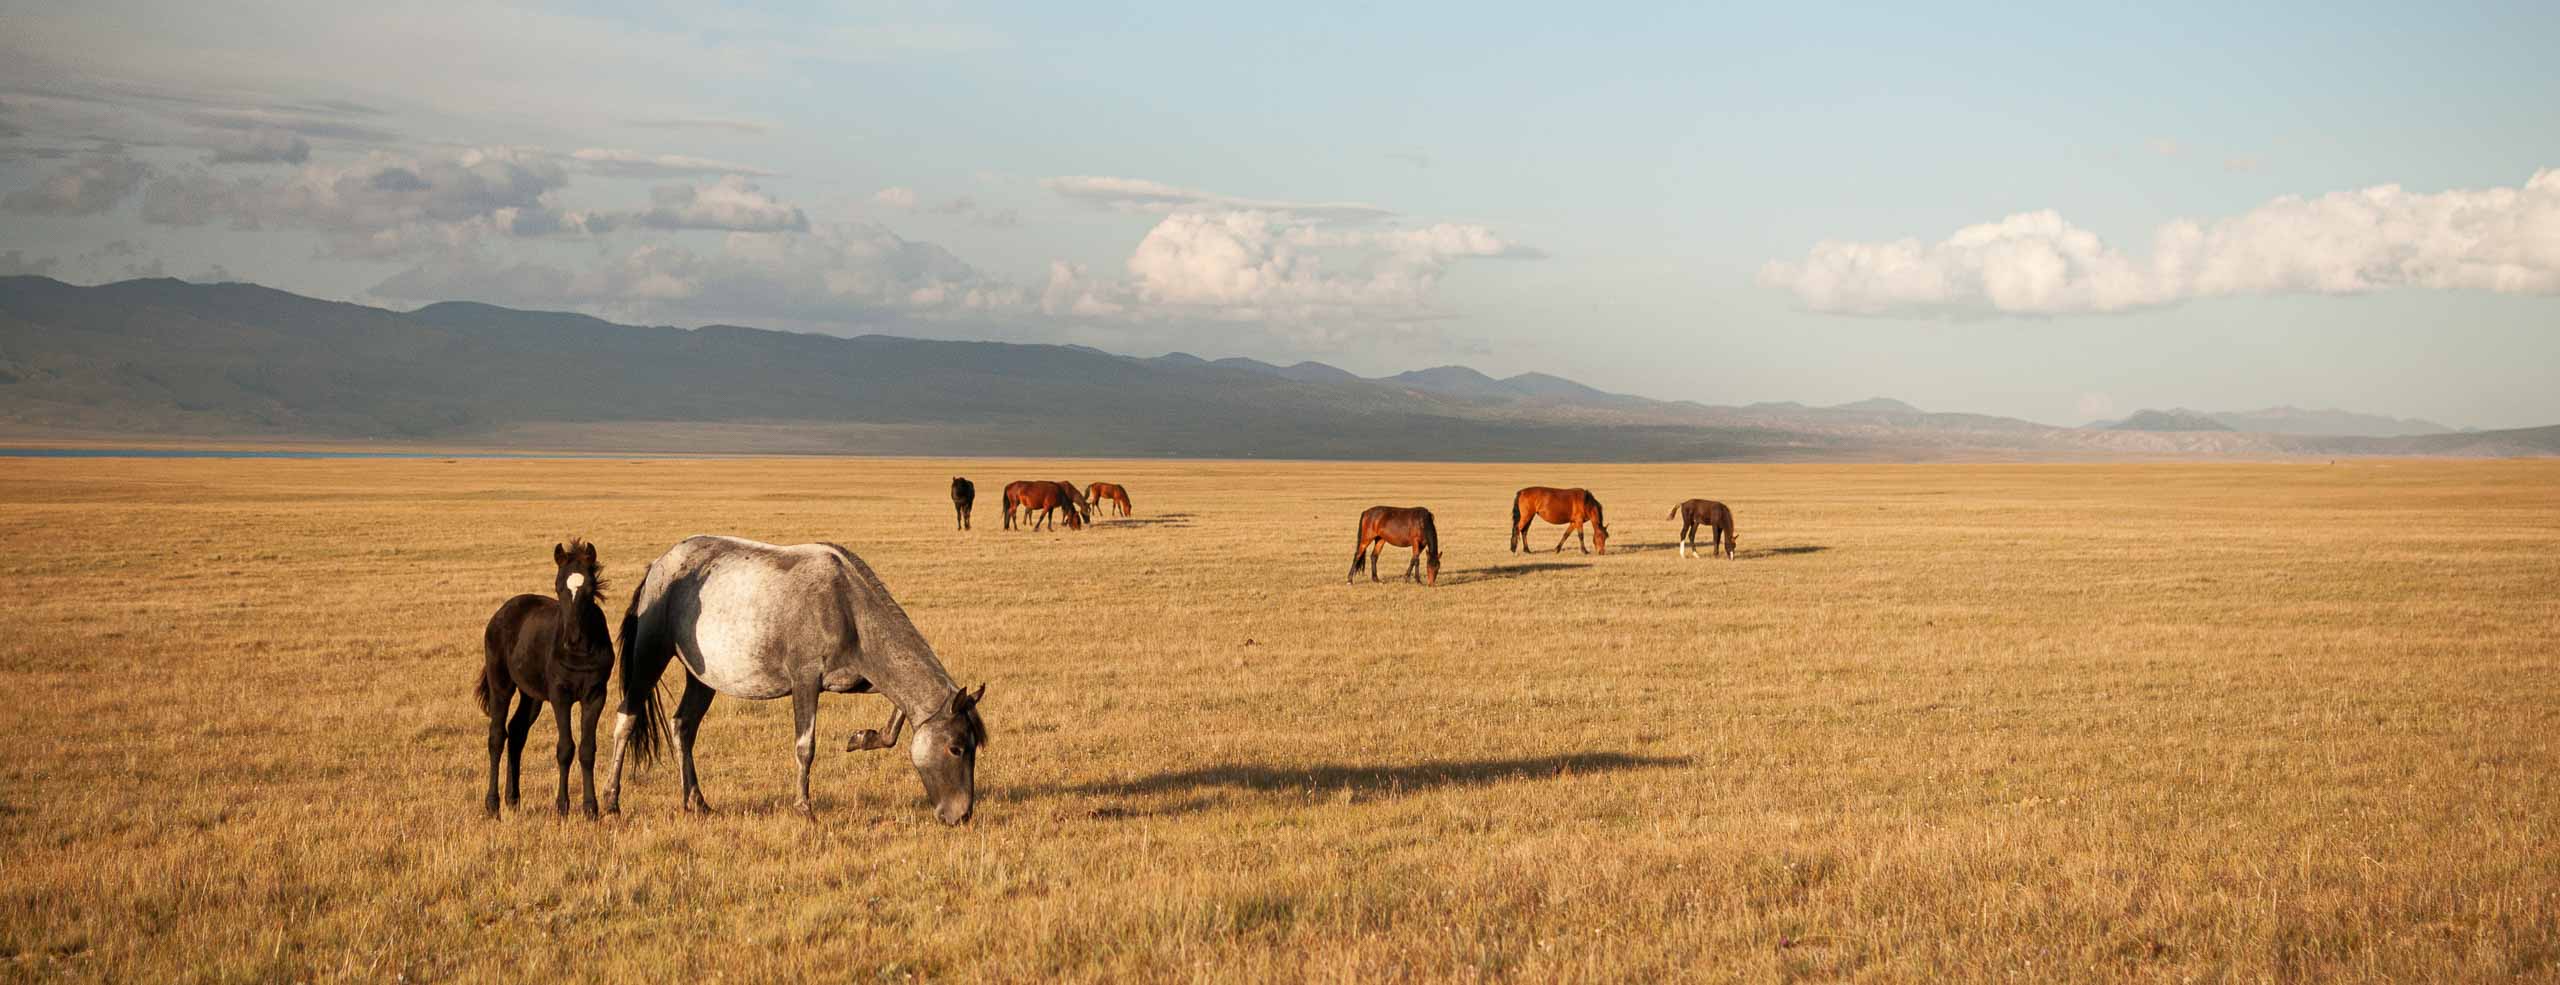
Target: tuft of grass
x,y
2048,722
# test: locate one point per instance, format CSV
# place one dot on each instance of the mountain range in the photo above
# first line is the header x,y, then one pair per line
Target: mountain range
x,y
171,360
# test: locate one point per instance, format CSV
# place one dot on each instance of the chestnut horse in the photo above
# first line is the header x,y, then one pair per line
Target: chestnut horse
x,y
964,496
1043,497
548,650
1570,507
1108,492
1397,526
1712,515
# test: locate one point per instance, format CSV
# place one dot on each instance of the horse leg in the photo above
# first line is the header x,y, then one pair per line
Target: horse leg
x,y
689,711
519,728
1569,530
1377,549
1413,568
588,712
567,753
497,711
804,717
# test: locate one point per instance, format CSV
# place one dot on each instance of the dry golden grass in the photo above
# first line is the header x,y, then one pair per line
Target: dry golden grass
x,y
2039,722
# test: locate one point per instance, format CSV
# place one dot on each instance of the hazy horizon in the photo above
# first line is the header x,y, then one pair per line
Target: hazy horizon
x,y
2061,219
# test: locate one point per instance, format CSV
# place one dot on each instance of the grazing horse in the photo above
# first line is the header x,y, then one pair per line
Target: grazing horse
x,y
1076,501
964,497
1044,498
548,649
1108,492
1397,526
1712,515
1570,507
758,621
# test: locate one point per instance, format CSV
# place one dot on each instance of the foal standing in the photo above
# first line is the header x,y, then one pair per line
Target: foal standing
x,y
1712,515
548,651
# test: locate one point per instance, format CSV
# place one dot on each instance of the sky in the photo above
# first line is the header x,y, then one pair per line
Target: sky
x,y
2061,215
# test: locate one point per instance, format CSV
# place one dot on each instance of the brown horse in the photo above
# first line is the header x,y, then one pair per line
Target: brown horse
x,y
1044,497
1570,507
553,651
1712,515
1108,492
1076,500
1397,526
964,497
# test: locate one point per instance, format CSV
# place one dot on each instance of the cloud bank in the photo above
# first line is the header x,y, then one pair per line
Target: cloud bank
x,y
88,186
2505,240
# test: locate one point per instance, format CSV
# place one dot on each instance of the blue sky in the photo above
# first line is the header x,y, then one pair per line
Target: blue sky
x,y
1961,207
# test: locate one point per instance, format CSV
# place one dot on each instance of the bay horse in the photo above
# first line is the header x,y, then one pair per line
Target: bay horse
x,y
964,498
1045,497
1397,526
1708,513
547,650
1570,507
1108,492
758,621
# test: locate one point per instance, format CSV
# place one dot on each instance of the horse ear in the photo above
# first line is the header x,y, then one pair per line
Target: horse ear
x,y
588,550
559,553
981,692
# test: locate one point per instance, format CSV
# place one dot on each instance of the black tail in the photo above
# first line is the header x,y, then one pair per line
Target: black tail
x,y
644,660
1515,520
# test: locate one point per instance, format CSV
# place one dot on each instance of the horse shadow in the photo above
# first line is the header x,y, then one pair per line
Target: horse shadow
x,y
1788,551
1332,779
1158,520
1500,572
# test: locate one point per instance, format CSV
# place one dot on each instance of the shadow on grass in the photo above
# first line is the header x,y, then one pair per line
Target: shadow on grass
x,y
1158,520
1334,779
1502,571
1747,554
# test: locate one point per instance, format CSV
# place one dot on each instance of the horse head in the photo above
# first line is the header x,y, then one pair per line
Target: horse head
x,y
578,575
945,754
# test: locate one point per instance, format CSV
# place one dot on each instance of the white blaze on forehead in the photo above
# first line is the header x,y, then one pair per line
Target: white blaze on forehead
x,y
576,581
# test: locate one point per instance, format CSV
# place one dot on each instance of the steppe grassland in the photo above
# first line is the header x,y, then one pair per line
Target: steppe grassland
x,y
2041,722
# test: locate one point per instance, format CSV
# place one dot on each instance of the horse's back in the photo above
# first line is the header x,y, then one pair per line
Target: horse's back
x,y
1554,505
744,614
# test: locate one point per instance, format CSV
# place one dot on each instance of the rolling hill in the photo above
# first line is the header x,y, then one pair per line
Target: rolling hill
x,y
167,359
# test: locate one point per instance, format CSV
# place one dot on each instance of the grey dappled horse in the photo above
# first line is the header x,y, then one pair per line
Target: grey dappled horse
x,y
759,621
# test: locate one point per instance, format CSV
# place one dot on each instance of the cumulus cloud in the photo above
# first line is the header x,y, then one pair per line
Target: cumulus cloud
x,y
896,197
836,274
88,186
633,164
266,145
2505,240
731,203
1251,265
382,204
1141,195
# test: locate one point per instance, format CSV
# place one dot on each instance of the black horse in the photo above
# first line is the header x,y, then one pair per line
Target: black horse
x,y
553,651
964,496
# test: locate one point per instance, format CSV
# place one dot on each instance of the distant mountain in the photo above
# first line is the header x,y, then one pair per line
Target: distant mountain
x,y
168,359
2174,419
1879,405
2336,423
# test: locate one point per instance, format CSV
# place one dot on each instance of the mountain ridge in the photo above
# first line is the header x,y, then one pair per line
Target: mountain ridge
x,y
167,358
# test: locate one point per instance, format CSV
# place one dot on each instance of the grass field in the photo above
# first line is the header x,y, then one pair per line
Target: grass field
x,y
2033,722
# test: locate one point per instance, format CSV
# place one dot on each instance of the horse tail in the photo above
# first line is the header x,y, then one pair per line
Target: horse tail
x,y
1515,519
1675,514
644,660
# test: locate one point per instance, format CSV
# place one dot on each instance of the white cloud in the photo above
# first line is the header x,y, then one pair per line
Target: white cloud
x,y
1141,195
1252,265
90,185
2505,240
730,203
896,197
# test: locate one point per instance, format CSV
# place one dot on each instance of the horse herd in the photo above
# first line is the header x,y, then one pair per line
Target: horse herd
x,y
760,621
1382,527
